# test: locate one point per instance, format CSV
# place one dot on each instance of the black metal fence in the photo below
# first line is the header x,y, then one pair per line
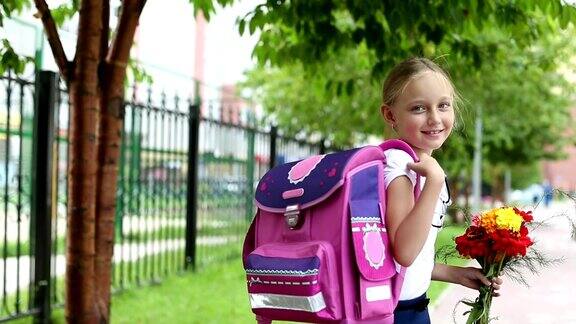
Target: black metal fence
x,y
184,196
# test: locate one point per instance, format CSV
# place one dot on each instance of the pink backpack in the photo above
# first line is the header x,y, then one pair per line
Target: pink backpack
x,y
317,249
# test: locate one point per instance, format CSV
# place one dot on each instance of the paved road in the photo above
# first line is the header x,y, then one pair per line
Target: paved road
x,y
551,297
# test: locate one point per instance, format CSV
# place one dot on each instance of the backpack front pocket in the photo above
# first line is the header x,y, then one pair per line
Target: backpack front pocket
x,y
288,281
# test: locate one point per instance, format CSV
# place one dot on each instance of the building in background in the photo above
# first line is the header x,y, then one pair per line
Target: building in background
x,y
561,174
233,109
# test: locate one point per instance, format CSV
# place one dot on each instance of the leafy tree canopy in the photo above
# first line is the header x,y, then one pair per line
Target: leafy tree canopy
x,y
309,31
511,72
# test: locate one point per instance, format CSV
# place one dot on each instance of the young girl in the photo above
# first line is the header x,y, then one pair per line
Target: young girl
x,y
419,104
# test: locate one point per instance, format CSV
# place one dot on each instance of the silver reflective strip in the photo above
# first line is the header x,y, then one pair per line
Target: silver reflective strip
x,y
307,304
377,293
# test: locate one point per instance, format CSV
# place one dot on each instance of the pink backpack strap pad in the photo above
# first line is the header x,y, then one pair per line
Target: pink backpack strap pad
x,y
401,145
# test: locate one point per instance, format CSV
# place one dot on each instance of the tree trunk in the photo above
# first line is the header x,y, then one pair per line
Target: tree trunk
x,y
84,115
497,186
110,133
95,81
109,153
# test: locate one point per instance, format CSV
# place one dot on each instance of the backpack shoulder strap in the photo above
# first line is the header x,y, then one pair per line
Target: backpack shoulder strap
x,y
401,145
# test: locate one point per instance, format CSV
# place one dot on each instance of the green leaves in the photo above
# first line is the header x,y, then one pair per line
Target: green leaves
x,y
524,120
137,74
64,12
9,7
336,99
207,6
398,29
10,61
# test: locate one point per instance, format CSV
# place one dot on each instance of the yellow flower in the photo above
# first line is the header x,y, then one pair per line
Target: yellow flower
x,y
506,218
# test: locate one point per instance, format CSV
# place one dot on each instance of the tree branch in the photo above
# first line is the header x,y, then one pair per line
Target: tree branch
x,y
124,38
105,29
104,39
53,38
119,50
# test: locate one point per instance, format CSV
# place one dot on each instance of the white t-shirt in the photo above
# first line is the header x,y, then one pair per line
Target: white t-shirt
x,y
418,275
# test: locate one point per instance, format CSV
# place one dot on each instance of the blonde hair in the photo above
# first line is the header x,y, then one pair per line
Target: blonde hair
x,y
408,70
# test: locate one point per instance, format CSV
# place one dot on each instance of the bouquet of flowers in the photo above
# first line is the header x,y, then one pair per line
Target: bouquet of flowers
x,y
495,239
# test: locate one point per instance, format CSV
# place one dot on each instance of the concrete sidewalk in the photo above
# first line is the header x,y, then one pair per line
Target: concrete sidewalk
x,y
551,297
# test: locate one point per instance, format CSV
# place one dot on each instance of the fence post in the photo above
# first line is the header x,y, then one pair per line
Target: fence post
x,y
322,146
43,152
273,140
192,186
250,158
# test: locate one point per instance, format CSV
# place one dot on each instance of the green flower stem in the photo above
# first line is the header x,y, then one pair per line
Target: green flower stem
x,y
480,313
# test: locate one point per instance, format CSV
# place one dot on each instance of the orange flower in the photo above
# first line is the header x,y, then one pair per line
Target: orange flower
x,y
488,221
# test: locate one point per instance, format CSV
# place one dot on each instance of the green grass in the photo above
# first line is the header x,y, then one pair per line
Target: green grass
x,y
185,297
230,228
148,269
216,294
25,299
164,233
12,248
9,304
156,268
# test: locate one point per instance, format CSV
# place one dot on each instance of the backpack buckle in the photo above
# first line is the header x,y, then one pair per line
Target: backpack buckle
x,y
292,216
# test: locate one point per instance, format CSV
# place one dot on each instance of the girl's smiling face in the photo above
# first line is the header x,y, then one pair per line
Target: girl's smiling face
x,y
423,115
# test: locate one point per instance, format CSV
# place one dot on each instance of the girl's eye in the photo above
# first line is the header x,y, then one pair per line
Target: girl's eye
x,y
444,106
418,109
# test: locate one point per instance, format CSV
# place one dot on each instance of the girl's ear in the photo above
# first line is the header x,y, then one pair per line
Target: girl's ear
x,y
386,112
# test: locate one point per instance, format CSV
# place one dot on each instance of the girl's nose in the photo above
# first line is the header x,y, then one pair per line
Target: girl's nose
x,y
433,117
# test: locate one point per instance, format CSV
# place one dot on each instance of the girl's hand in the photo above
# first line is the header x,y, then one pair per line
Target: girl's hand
x,y
428,167
473,278
496,283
